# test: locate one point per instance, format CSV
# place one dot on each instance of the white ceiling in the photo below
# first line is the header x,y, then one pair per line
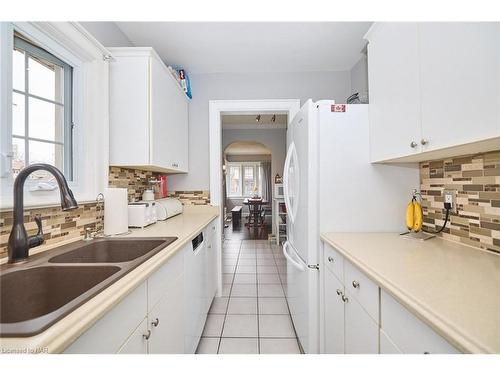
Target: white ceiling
x,y
247,148
250,122
237,47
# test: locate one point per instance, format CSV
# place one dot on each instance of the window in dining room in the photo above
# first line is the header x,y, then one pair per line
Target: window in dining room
x,y
243,180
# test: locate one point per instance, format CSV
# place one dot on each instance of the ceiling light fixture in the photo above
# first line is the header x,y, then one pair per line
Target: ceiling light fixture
x,y
273,119
257,119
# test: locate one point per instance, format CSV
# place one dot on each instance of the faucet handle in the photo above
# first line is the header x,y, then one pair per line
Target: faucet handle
x,y
38,221
37,239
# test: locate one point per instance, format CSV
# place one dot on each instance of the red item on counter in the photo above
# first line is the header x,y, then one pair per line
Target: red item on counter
x,y
163,186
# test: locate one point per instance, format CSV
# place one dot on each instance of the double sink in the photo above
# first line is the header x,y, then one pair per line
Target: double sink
x,y
36,294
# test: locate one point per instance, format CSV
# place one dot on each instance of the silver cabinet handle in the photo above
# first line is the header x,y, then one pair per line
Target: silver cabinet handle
x,y
155,322
330,259
424,141
147,335
344,298
339,292
355,284
413,144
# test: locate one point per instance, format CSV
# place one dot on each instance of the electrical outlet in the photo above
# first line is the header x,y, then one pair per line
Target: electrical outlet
x,y
450,197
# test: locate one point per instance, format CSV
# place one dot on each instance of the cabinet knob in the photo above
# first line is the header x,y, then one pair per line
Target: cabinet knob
x,y
155,322
355,284
344,298
330,259
424,141
413,144
339,292
147,335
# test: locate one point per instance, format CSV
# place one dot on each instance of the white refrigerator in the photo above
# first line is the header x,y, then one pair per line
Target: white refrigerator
x,y
331,186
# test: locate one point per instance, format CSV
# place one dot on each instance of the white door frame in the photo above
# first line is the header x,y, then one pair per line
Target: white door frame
x,y
216,108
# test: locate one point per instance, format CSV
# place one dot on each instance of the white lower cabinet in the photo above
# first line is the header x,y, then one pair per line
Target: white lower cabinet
x,y
407,332
360,318
110,332
334,315
165,314
136,343
361,331
166,322
387,346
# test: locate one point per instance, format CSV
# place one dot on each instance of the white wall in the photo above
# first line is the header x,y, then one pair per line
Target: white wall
x,y
205,87
359,77
107,33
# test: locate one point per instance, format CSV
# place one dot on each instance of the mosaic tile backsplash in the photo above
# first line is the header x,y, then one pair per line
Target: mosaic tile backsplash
x,y
57,225
61,226
476,179
134,180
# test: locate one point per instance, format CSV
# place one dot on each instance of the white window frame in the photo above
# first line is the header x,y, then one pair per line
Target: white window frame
x,y
71,43
30,50
241,165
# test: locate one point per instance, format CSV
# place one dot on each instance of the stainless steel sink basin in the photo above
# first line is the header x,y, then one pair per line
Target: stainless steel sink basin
x,y
110,251
36,294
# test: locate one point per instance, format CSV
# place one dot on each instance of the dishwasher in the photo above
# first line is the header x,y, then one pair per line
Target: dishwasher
x,y
195,306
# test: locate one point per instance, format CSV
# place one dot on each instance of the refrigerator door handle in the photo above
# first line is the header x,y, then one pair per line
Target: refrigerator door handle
x,y
296,264
286,196
291,156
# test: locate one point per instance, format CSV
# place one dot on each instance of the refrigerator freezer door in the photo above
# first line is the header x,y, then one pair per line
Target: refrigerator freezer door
x,y
302,298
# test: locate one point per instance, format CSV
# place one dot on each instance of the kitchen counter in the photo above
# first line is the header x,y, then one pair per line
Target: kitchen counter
x,y
60,335
453,288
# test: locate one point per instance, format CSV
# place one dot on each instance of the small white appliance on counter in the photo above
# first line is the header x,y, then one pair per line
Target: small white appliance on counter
x,y
331,186
278,191
168,207
141,214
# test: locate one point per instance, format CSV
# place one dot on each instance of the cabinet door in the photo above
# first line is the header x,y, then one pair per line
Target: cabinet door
x,y
129,111
460,66
166,322
393,76
136,343
387,346
169,120
361,332
334,315
109,333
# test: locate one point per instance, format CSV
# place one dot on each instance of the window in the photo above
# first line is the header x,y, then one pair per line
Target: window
x,y
42,123
243,179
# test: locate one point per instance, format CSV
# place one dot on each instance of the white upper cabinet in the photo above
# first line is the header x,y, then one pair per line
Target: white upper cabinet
x,y
434,89
394,91
148,113
460,78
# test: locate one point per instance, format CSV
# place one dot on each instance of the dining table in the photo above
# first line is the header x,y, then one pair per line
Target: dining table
x,y
255,208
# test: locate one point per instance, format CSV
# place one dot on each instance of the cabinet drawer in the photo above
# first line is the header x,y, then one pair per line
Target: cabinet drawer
x,y
333,261
109,333
160,280
359,286
387,346
407,332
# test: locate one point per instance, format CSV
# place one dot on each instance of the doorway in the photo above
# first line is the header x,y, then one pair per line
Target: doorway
x,y
217,109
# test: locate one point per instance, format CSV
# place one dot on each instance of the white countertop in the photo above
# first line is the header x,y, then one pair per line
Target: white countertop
x,y
454,288
59,336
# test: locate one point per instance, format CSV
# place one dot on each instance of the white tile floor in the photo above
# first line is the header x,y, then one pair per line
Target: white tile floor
x,y
252,316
